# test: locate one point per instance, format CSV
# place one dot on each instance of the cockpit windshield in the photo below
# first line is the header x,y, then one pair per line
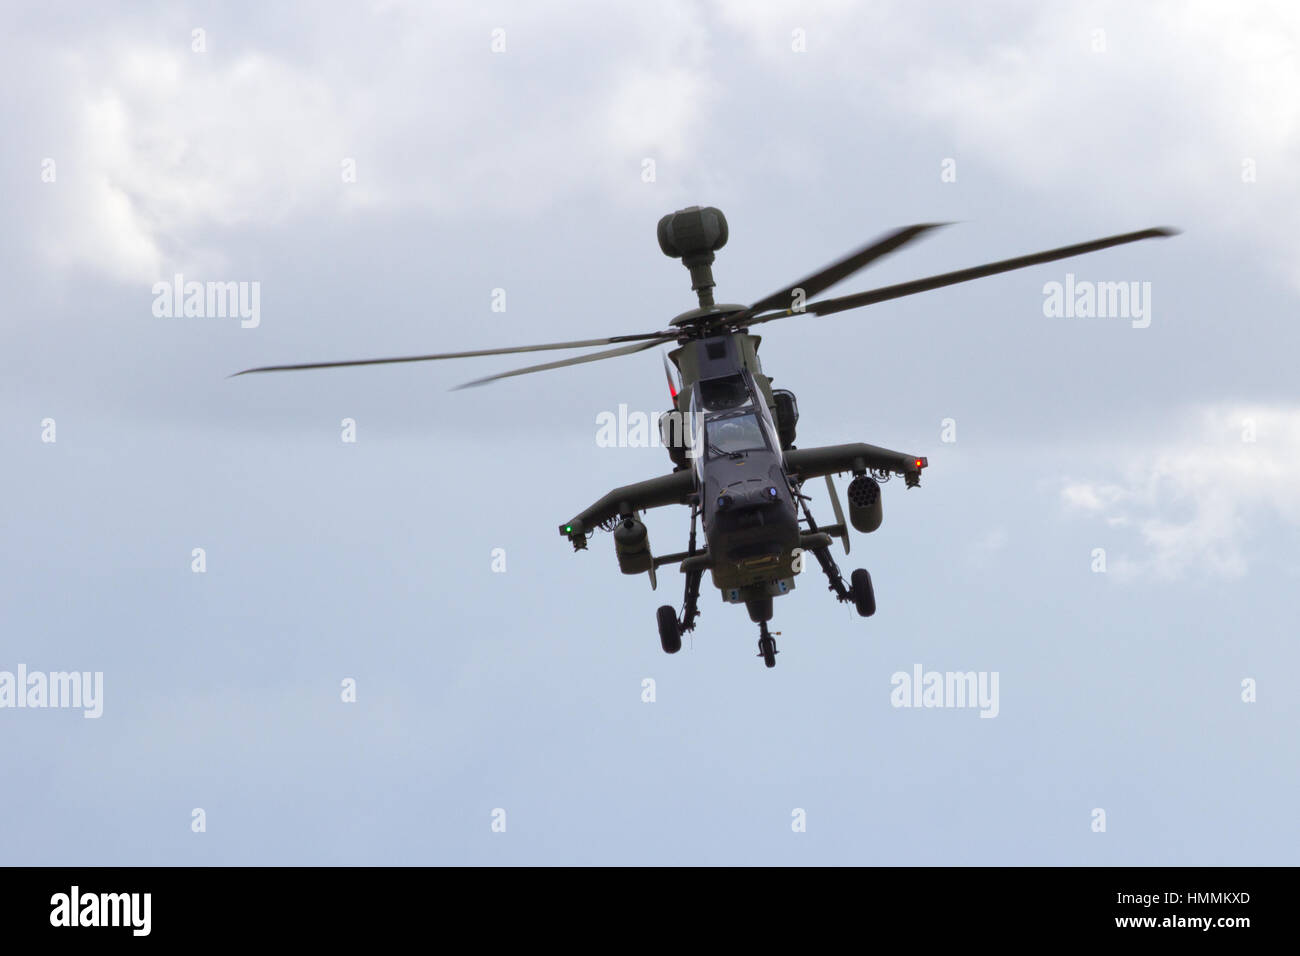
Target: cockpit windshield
x,y
729,391
733,434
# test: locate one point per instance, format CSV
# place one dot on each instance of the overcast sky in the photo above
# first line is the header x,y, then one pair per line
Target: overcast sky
x,y
380,170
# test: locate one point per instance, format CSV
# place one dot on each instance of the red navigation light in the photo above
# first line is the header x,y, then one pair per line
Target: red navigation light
x,y
672,387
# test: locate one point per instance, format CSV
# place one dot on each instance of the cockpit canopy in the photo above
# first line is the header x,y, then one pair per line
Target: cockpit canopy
x,y
726,392
732,434
734,419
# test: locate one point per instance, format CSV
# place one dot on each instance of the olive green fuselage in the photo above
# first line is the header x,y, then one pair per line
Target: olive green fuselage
x,y
745,499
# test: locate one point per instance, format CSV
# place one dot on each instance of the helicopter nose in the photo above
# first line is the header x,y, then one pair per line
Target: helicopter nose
x,y
747,499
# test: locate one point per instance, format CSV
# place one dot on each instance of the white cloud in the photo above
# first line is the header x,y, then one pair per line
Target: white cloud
x,y
1162,119
1201,502
168,143
165,143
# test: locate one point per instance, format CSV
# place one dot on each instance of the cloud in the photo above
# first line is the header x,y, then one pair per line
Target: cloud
x,y
162,150
1141,107
1200,502
163,145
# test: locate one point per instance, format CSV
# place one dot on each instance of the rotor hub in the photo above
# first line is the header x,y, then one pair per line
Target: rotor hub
x,y
700,316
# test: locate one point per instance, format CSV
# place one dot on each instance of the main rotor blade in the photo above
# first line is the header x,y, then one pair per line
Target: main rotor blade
x,y
576,360
585,343
823,279
831,306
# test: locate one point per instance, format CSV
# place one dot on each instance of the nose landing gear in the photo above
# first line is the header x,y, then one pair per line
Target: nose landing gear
x,y
767,645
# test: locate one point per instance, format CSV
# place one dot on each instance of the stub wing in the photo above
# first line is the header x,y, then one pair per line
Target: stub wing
x,y
672,489
857,457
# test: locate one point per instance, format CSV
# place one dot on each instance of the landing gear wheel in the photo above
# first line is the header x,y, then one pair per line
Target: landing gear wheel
x,y
670,635
766,645
864,596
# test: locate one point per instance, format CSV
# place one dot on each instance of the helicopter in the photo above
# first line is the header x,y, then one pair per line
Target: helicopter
x,y
731,436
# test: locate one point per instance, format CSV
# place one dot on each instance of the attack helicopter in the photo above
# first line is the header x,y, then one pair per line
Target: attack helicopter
x,y
731,436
